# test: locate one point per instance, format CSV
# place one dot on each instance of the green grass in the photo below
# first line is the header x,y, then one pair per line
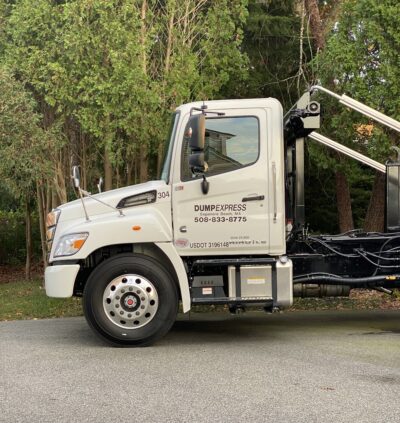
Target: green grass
x,y
27,300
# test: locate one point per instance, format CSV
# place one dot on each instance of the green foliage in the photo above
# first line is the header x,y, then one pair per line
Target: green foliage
x,y
12,237
105,75
360,180
321,191
7,201
119,75
272,42
320,195
25,150
362,59
23,144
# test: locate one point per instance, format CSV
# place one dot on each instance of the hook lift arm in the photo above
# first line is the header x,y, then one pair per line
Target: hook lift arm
x,y
304,118
361,108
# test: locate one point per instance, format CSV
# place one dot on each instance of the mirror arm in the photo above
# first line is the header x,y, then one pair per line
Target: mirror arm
x,y
77,184
102,202
80,190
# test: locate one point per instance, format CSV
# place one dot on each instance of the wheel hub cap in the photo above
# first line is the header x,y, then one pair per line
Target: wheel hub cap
x,y
130,301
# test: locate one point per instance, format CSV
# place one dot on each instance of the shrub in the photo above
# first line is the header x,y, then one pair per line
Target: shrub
x,y
12,237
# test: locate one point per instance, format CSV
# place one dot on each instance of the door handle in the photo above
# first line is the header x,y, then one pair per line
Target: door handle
x,y
253,198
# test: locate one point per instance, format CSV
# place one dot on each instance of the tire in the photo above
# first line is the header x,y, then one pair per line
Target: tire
x,y
130,300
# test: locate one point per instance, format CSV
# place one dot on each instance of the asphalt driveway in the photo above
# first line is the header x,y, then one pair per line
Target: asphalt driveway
x,y
295,367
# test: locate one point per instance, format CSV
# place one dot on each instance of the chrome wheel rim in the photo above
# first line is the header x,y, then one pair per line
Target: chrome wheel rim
x,y
130,301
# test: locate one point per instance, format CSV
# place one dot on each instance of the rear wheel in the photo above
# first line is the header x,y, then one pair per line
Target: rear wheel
x,y
130,300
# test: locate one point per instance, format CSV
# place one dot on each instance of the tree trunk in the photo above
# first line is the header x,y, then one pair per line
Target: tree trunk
x,y
144,164
160,156
47,205
83,161
42,216
117,177
343,199
108,172
28,239
143,153
54,198
345,215
129,170
374,219
315,23
136,169
59,183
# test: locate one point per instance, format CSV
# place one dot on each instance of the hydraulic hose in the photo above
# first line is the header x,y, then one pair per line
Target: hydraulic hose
x,y
337,280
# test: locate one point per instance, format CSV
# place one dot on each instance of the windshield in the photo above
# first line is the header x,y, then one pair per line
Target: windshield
x,y
168,147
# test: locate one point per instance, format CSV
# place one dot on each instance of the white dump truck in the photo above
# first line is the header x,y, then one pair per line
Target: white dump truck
x,y
224,224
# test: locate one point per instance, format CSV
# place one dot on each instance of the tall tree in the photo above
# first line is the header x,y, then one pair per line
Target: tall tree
x,y
362,59
272,44
343,198
119,67
23,148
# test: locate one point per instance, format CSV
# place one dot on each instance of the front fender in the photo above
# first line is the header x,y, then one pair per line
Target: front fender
x,y
170,251
136,226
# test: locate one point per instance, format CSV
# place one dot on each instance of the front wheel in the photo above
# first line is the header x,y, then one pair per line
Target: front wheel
x,y
130,300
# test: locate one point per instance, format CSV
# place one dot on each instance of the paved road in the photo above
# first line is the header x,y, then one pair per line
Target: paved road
x,y
296,367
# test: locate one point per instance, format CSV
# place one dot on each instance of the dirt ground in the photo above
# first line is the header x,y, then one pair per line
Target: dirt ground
x,y
387,301
17,273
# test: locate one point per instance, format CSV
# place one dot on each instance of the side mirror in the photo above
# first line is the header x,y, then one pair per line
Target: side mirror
x,y
196,131
76,176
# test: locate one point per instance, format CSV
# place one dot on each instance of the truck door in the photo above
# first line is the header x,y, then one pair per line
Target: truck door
x,y
234,216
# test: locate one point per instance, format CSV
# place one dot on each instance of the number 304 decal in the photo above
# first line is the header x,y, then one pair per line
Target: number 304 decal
x,y
163,194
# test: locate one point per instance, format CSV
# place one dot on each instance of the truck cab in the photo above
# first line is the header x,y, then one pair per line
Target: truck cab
x,y
223,244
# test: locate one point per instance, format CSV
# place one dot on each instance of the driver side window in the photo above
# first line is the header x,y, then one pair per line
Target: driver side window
x,y
230,144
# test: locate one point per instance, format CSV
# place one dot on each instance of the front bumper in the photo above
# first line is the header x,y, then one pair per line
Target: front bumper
x,y
60,280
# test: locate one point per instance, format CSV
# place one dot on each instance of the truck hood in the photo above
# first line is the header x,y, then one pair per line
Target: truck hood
x,y
74,209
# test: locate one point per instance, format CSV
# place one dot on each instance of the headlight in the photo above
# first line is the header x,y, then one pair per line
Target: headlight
x,y
70,244
52,218
138,199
